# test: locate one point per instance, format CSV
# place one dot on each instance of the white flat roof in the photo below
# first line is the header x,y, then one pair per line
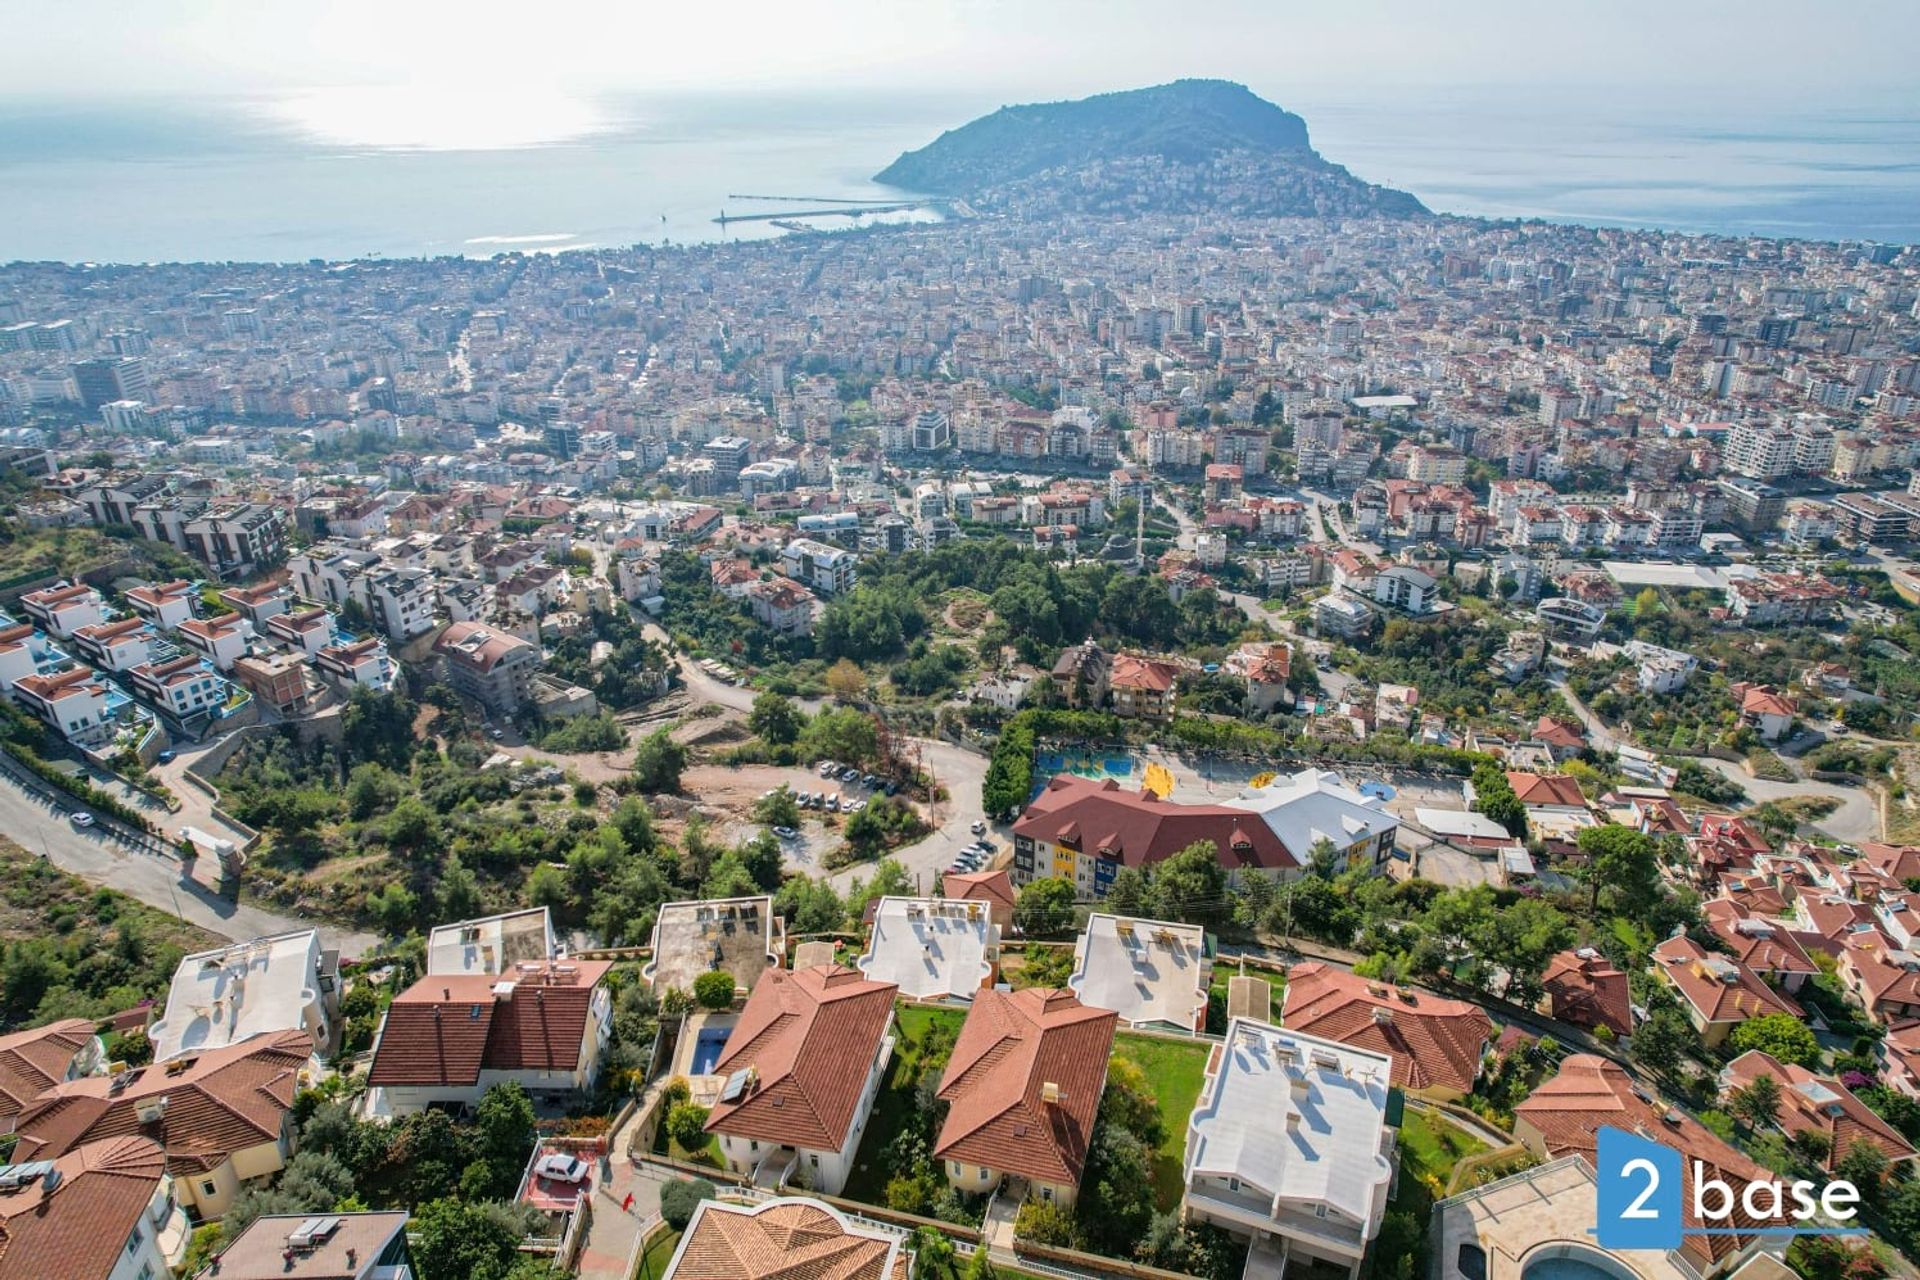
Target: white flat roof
x,y
1664,573
491,944
1147,971
1298,1117
222,997
933,948
1461,823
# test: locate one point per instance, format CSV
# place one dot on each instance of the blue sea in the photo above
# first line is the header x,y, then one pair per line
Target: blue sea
x,y
350,173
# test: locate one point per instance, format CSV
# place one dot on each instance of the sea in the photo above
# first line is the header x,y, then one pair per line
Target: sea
x,y
361,172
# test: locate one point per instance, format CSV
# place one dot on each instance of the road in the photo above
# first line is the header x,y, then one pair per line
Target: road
x,y
40,828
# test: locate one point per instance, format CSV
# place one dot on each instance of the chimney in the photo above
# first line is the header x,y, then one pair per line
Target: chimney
x,y
1050,1092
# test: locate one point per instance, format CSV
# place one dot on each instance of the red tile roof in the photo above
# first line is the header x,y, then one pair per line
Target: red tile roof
x,y
1099,817
1433,1042
981,886
809,1036
1585,989
1010,1049
80,1226
31,1062
444,1030
1719,988
794,1239
1547,789
1569,1109
1761,945
1897,861
1130,672
218,1102
1811,1103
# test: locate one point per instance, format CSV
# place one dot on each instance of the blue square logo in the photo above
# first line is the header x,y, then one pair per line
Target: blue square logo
x,y
1639,1192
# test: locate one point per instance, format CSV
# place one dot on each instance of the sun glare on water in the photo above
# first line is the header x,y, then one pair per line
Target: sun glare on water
x,y
422,117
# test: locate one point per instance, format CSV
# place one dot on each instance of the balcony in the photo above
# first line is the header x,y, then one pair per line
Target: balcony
x,y
1248,1213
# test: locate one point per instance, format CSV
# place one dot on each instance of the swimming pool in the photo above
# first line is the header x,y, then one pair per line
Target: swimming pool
x,y
1571,1262
706,1050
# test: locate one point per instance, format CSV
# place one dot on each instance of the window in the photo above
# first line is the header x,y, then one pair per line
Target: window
x,y
754,1145
1046,1193
983,1174
813,1159
134,1240
1233,1184
207,1188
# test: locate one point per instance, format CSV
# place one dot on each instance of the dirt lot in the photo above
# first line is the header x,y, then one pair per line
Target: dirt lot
x,y
730,792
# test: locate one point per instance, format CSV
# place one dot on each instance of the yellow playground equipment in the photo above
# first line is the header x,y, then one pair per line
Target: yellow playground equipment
x,y
1158,781
1262,779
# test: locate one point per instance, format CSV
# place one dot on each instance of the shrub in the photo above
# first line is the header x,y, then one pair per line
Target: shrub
x,y
714,990
679,1199
687,1125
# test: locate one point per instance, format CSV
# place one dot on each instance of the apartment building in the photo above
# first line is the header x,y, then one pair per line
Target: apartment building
x,y
183,687
104,1210
488,665
221,641
827,570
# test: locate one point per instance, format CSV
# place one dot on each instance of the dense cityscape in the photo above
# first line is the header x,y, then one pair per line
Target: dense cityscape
x,y
1087,738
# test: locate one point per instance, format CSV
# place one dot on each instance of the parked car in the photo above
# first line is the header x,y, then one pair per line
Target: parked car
x,y
81,819
165,757
561,1168
833,803
786,833
849,775
826,768
856,806
870,781
980,828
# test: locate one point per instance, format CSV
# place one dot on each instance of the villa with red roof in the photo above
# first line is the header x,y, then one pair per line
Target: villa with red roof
x,y
802,1066
1023,1086
1718,993
1563,1116
1819,1105
1437,1045
1584,988
450,1037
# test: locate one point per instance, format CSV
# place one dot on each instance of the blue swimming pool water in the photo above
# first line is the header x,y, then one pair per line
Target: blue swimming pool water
x,y
706,1051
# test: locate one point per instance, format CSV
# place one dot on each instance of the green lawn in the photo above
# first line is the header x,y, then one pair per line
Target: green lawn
x,y
1175,1069
653,1263
1428,1150
895,1102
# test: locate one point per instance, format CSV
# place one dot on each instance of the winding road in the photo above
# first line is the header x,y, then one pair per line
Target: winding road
x,y
40,827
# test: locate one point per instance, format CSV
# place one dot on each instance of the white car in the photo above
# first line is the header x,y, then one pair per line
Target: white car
x,y
561,1168
81,819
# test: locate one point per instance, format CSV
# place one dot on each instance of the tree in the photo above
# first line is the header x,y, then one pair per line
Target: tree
x,y
1622,862
1759,1103
714,990
1045,1222
658,762
1116,1202
1044,907
1128,894
680,1197
1782,1036
503,1129
843,734
778,810
379,727
846,680
775,719
687,1125
1191,886
1865,1166
1129,1102
451,1238
370,789
1664,1041
459,891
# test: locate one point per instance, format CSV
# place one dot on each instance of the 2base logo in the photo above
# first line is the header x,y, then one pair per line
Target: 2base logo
x,y
1642,1202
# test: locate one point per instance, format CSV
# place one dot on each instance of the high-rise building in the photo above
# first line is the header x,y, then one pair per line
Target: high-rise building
x,y
111,378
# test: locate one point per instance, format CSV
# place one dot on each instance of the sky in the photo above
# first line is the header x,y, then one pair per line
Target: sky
x,y
1764,52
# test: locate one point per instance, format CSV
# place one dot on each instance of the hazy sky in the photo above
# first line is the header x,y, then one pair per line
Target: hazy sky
x,y
1771,51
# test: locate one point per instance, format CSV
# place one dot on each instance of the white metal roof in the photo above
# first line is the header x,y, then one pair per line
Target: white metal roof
x,y
933,948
